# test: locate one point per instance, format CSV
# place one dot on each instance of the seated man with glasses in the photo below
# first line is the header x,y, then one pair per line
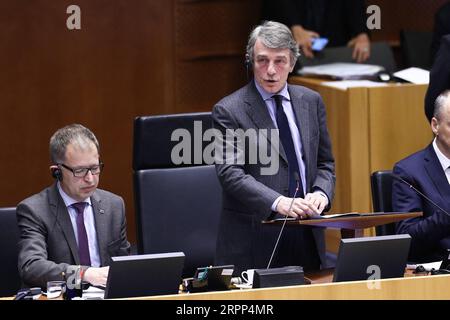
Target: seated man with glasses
x,y
71,229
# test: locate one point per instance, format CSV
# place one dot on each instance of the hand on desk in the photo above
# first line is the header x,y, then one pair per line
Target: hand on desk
x,y
96,276
318,200
301,208
361,47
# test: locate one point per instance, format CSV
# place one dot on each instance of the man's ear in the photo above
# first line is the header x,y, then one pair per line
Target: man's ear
x,y
435,125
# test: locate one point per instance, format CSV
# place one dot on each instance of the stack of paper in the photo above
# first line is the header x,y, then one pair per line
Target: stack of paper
x,y
345,84
342,70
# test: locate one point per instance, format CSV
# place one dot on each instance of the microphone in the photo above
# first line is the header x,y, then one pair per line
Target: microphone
x,y
297,180
420,193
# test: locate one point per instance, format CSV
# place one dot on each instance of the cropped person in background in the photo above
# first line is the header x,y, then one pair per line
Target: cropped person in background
x,y
342,22
439,76
71,223
441,28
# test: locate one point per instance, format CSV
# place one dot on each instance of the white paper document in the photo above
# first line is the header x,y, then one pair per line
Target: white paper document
x,y
342,70
345,84
414,75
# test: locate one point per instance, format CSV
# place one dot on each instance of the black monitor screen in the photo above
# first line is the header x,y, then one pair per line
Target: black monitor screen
x,y
372,258
144,275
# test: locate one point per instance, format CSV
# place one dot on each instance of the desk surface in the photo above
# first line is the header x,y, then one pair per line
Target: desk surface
x,y
419,287
409,287
363,220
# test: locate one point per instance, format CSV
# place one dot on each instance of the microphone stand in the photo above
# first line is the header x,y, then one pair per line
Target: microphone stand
x,y
285,220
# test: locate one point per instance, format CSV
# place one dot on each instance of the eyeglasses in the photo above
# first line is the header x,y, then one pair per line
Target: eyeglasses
x,y
82,172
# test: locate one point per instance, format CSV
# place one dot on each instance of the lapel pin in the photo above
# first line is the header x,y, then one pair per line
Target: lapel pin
x,y
101,211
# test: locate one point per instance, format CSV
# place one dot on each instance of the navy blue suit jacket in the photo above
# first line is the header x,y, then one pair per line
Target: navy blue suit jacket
x,y
430,233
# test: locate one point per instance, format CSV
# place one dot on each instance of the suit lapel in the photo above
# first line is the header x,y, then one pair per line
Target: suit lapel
x,y
436,173
257,111
61,214
101,226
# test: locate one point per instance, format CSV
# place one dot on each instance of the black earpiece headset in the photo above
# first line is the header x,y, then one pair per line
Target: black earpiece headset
x,y
248,64
57,174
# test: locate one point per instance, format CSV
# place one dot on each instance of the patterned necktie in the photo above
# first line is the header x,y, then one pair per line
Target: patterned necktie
x,y
83,245
288,146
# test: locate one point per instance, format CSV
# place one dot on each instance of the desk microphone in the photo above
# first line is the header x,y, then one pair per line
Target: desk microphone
x,y
297,180
396,176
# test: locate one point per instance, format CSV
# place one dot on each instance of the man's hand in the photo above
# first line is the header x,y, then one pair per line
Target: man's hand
x,y
96,276
318,200
301,208
361,47
304,39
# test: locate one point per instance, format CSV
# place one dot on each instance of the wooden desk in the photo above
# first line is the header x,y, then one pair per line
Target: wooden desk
x,y
409,287
370,129
352,226
421,287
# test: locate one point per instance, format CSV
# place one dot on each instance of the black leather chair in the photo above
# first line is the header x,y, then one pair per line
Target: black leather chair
x,y
381,54
381,182
9,238
177,206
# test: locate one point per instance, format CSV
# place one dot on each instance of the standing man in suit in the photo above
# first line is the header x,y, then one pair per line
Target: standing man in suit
x,y
439,76
71,225
429,171
268,103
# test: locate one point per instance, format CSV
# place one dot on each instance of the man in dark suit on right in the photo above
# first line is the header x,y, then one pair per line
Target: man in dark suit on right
x,y
429,171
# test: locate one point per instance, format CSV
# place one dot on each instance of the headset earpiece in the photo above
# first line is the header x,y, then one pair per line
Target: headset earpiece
x,y
56,173
247,64
247,61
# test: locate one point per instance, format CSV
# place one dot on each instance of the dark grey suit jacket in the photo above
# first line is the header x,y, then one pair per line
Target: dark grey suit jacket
x,y
248,195
47,243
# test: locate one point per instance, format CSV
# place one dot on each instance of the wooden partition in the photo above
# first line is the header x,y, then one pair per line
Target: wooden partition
x,y
371,129
418,288
130,58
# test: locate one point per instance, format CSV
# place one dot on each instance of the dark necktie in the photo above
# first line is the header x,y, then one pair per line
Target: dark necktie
x,y
288,146
83,245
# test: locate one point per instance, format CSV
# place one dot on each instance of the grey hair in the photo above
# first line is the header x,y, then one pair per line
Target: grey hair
x,y
273,35
440,103
73,133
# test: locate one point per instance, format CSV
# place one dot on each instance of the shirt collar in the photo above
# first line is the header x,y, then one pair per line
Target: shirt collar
x,y
267,95
67,199
445,162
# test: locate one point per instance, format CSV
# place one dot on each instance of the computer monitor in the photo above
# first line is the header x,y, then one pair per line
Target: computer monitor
x,y
144,275
360,258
